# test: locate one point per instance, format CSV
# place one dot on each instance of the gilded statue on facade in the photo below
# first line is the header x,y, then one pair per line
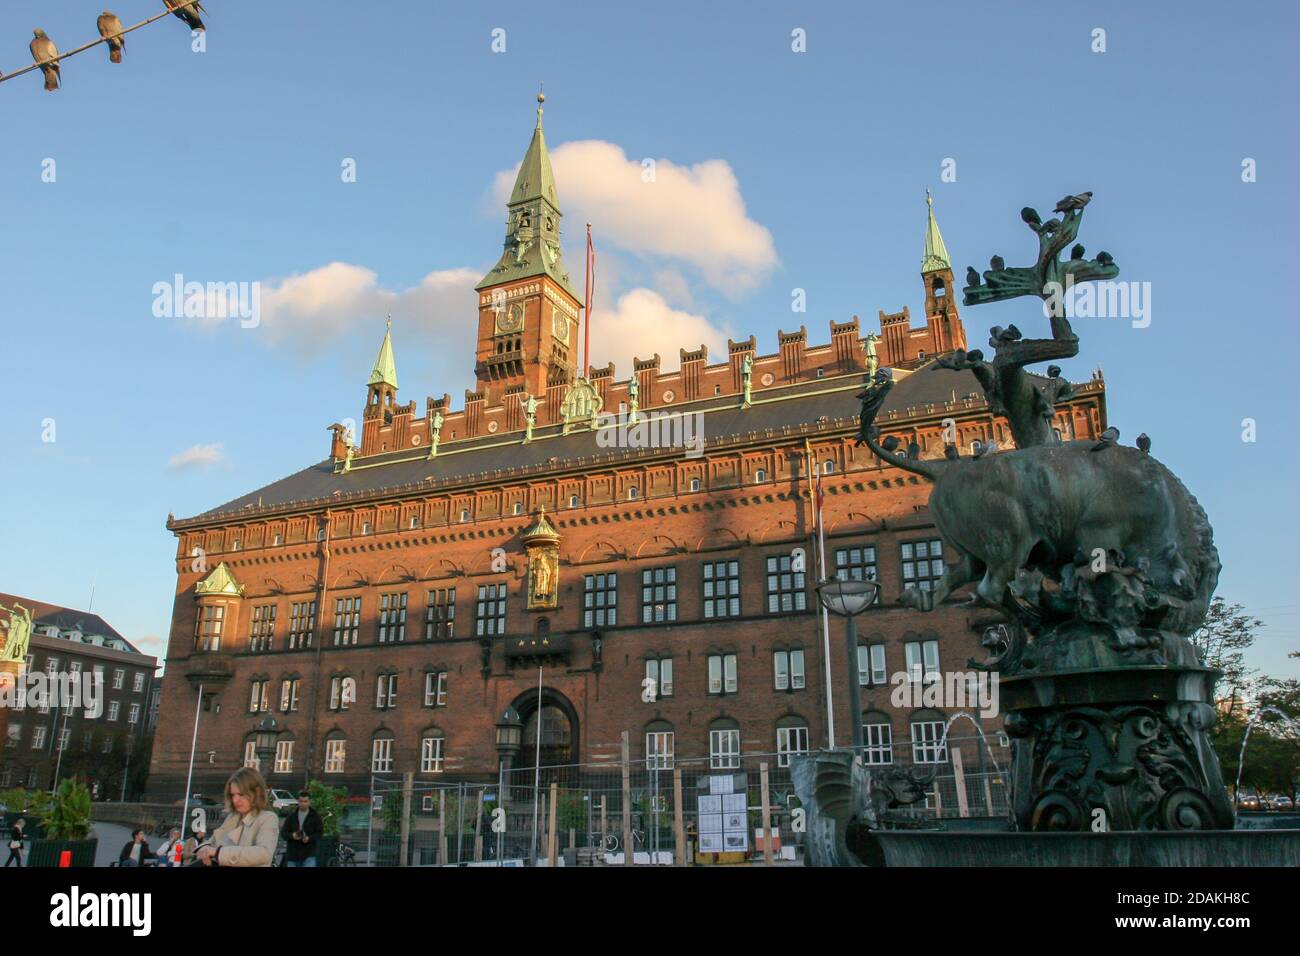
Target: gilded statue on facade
x,y
20,633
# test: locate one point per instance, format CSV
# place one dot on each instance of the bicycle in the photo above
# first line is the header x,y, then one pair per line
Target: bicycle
x,y
344,855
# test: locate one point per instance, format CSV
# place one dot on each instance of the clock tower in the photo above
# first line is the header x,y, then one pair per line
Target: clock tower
x,y
528,309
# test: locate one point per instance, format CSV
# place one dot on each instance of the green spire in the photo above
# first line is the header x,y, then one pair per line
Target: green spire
x,y
385,372
535,179
532,243
936,253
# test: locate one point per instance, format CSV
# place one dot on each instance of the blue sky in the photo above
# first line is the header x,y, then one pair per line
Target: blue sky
x,y
777,170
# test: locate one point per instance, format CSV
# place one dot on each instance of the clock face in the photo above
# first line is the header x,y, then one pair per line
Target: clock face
x,y
511,319
559,325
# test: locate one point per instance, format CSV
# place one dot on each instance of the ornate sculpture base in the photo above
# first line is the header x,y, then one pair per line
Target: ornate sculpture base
x,y
1115,748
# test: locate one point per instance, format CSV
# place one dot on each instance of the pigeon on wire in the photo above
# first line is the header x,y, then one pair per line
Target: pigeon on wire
x,y
188,13
43,49
110,28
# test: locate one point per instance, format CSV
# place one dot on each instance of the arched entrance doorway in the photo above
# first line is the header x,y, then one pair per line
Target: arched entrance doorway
x,y
559,729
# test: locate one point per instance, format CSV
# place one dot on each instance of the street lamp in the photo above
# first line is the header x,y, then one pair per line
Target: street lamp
x,y
267,732
849,599
510,735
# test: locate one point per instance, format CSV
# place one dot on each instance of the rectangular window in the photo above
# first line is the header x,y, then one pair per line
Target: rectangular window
x,y
922,563
302,624
342,693
490,612
658,595
289,695
386,691
250,755
284,756
722,589
786,588
137,682
926,735
879,739
38,737
336,753
789,672
258,698
114,708
119,676
133,714
347,620
64,736
435,689
600,600
871,665
261,635
440,614
659,750
14,736
724,749
381,756
722,673
392,617
790,740
922,660
108,744
660,670
431,755
207,630
856,564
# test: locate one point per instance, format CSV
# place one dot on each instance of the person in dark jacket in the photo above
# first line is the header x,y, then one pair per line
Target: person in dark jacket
x,y
16,843
301,829
136,851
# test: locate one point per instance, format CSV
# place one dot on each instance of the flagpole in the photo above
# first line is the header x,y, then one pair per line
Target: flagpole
x,y
821,576
537,767
586,319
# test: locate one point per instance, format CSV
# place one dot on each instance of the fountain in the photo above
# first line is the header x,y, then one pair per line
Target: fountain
x,y
1094,564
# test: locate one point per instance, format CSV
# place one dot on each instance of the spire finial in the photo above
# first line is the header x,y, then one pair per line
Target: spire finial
x,y
390,321
541,98
929,200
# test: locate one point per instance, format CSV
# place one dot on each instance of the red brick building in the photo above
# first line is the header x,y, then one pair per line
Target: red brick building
x,y
431,572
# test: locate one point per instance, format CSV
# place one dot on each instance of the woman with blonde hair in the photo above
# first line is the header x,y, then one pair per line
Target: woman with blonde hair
x,y
251,830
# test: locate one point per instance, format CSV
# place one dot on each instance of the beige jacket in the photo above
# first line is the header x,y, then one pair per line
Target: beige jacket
x,y
248,841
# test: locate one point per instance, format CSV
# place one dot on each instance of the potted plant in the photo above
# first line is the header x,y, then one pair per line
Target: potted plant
x,y
66,819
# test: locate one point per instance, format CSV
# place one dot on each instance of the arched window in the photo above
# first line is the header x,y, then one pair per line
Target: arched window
x,y
381,752
928,743
878,736
695,484
939,287
283,754
760,476
433,746
336,752
828,467
724,744
659,745
791,738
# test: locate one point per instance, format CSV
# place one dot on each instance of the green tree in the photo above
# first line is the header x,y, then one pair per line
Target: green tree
x,y
1222,642
328,802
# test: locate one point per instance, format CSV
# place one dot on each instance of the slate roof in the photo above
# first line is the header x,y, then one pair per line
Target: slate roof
x,y
464,460
66,618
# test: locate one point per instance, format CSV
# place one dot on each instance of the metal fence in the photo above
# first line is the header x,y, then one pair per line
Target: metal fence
x,y
573,814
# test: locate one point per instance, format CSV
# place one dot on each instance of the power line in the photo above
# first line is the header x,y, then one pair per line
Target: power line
x,y
169,11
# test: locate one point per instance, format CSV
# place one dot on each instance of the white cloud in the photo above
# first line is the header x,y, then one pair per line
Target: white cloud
x,y
693,214
315,308
642,324
196,457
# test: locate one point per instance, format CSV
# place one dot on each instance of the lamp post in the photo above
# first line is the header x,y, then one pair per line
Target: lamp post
x,y
264,742
510,735
849,599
